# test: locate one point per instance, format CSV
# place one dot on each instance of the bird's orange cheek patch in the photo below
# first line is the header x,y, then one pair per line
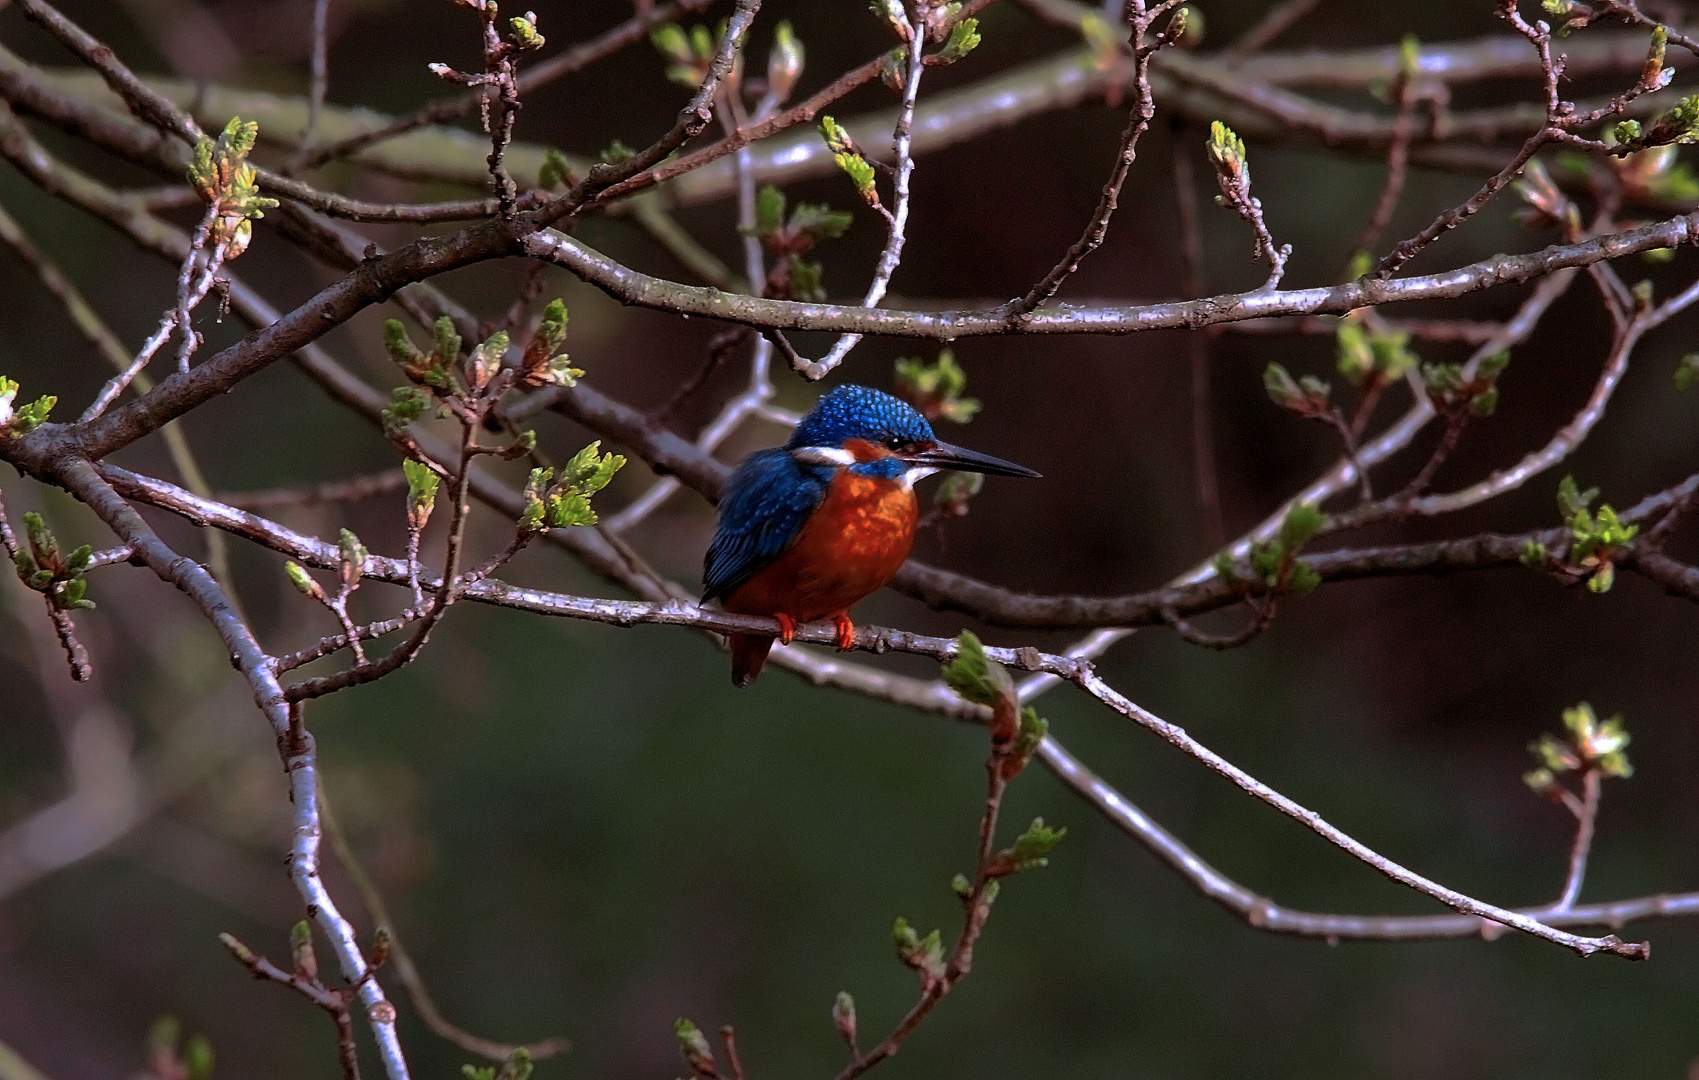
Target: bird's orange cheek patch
x,y
862,450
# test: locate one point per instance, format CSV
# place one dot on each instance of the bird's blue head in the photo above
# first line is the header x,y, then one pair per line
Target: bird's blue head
x,y
874,433
861,412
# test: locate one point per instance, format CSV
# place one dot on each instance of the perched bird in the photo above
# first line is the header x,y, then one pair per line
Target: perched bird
x,y
811,527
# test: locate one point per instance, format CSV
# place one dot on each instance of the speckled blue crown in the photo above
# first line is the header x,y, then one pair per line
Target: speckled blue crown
x,y
860,412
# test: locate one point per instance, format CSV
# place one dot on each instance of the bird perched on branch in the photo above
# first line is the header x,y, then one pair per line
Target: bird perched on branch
x,y
811,527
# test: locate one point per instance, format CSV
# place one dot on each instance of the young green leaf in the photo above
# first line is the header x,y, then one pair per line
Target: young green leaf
x,y
973,675
1032,848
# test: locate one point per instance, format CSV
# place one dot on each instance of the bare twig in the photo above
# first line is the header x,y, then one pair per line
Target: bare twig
x,y
353,489
572,60
1138,119
295,743
75,652
321,74
1088,681
1005,763
307,984
897,217
1280,17
446,592
1204,473
408,972
1407,100
1586,817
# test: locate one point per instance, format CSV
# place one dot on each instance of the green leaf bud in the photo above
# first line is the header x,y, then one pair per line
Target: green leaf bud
x,y
904,938
694,1046
1303,579
818,222
518,1065
1679,125
670,41
973,675
784,62
1356,359
837,139
1603,578
43,544
1652,75
964,38
891,13
1032,732
555,170
1301,523
197,1058
485,360
1492,365
353,556
301,949
525,32
1031,848
843,1016
422,483
616,152
1687,372
303,581
446,342
70,595
399,346
407,404
1572,502
1227,154
243,955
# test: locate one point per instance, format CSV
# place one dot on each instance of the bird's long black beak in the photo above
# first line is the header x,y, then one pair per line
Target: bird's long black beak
x,y
944,456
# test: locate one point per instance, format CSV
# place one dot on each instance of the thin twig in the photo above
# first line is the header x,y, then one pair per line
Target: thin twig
x,y
1138,120
1204,472
1003,765
294,743
1277,21
572,60
320,75
445,595
1586,817
1089,681
1404,96
353,489
306,984
408,972
76,654
891,255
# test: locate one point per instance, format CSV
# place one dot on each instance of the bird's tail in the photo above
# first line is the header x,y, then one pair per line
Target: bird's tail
x,y
749,656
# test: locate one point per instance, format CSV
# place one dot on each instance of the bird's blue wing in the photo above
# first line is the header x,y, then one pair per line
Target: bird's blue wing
x,y
767,501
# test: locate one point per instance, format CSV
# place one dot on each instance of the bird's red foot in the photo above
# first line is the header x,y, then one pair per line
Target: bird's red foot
x,y
787,628
846,631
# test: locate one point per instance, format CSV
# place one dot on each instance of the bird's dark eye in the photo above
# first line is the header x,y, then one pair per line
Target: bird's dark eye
x,y
894,442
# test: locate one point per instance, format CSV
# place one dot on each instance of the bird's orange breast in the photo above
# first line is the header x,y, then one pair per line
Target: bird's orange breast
x,y
850,547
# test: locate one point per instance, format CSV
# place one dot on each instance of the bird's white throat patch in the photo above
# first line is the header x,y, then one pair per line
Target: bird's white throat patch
x,y
916,472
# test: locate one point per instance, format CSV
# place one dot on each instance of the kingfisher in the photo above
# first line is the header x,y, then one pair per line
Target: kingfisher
x,y
809,528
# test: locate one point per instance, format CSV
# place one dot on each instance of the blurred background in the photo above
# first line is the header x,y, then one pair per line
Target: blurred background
x,y
584,831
